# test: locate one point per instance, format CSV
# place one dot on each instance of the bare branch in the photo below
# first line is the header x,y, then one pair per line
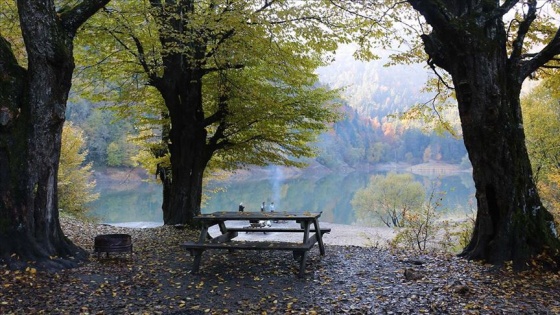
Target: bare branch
x,y
265,6
523,30
433,67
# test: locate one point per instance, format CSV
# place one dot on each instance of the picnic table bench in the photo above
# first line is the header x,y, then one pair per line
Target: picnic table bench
x,y
311,236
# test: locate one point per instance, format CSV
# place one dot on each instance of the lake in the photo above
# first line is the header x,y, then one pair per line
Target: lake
x,y
331,193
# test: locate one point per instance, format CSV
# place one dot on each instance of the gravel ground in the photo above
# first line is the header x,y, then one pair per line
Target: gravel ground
x,y
349,279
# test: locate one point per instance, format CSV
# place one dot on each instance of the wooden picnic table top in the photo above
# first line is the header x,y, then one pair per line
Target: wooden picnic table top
x,y
258,215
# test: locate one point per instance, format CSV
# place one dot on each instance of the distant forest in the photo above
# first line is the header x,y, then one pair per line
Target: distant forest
x,y
364,136
372,93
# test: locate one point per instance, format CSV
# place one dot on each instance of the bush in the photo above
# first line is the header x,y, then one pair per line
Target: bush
x,y
389,198
420,227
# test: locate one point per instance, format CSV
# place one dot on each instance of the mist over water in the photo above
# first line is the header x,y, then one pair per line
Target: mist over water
x,y
330,194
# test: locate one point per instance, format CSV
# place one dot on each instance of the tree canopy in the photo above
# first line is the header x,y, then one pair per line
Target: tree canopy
x,y
233,83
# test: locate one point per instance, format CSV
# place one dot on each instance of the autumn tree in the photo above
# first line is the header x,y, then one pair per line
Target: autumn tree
x,y
542,125
75,183
390,198
488,49
33,95
236,81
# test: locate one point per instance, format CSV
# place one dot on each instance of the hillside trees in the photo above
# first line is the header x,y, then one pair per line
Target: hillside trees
x,y
235,80
489,48
33,94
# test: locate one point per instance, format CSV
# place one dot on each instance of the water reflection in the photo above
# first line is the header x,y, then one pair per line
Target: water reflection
x,y
330,194
137,203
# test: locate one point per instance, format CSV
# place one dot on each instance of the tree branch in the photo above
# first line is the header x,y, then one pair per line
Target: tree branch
x,y
548,53
227,66
221,40
523,30
265,6
74,17
432,65
435,13
7,57
501,11
141,56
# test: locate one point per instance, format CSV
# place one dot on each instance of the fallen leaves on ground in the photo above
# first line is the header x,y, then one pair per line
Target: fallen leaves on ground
x,y
156,279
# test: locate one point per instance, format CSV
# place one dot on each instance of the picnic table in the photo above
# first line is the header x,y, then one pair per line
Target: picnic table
x,y
308,225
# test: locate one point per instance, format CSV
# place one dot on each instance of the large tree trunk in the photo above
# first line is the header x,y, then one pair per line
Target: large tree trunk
x,y
511,223
181,89
188,155
32,114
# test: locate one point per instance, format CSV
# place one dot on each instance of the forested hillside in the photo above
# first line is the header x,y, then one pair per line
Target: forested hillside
x,y
372,88
358,140
366,135
369,134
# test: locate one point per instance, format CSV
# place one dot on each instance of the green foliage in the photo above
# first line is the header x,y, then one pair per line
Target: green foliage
x,y
391,198
75,183
257,76
274,115
11,31
114,155
541,112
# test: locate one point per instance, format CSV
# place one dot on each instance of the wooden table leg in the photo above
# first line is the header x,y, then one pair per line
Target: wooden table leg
x,y
306,225
319,237
203,234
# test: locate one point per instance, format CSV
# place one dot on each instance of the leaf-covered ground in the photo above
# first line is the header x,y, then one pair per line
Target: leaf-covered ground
x,y
348,280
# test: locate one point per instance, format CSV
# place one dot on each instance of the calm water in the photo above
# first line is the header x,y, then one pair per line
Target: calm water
x,y
330,194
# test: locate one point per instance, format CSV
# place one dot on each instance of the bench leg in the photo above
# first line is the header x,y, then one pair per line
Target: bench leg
x,y
302,264
196,261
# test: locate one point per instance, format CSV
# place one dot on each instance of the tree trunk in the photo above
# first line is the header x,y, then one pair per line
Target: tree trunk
x,y
32,114
188,149
511,223
181,89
